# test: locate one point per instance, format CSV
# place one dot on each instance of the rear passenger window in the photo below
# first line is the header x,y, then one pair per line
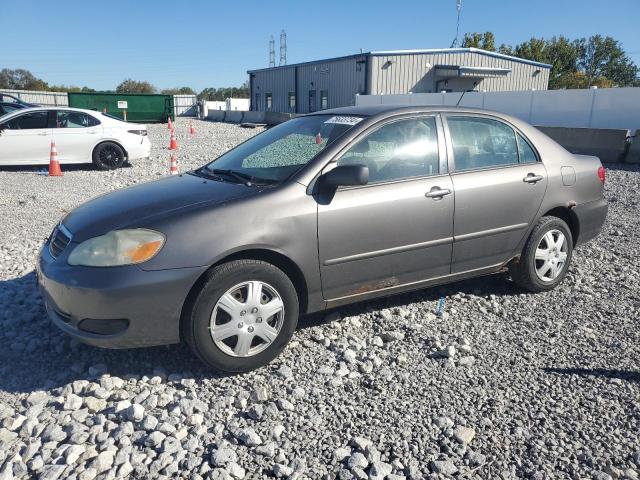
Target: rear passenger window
x,y
482,143
402,149
525,152
70,119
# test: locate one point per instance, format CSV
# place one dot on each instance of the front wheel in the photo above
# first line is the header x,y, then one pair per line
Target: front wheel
x,y
546,256
108,156
243,316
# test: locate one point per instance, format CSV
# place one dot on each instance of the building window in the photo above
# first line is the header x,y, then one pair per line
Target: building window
x,y
292,100
268,100
324,99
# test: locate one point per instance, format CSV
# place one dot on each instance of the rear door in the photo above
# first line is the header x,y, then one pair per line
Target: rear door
x,y
499,184
396,229
76,134
25,139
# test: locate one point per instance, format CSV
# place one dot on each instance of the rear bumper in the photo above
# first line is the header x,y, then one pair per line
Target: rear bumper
x,y
131,307
141,149
591,217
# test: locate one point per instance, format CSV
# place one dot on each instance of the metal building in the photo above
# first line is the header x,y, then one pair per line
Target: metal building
x,y
317,85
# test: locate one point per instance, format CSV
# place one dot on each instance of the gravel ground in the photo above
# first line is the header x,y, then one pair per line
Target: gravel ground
x,y
504,384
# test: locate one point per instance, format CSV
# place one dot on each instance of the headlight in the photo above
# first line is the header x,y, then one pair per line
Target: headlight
x,y
119,247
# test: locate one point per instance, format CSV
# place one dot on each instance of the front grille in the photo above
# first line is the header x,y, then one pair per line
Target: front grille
x,y
60,238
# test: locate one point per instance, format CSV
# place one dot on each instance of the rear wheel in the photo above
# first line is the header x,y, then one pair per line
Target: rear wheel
x,y
546,256
243,316
108,156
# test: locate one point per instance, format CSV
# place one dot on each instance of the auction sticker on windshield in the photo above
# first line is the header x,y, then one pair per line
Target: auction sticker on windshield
x,y
343,120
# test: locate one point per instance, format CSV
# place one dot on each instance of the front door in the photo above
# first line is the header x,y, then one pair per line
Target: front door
x,y
499,185
26,139
397,229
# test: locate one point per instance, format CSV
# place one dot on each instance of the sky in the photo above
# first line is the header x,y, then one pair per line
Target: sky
x,y
213,43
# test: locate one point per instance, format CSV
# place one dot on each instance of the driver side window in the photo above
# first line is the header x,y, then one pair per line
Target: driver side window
x,y
402,149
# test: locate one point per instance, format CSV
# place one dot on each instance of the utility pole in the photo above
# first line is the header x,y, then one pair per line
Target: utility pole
x,y
458,8
283,47
272,52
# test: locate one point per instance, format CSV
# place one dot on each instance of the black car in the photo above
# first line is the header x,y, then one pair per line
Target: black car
x,y
9,107
9,103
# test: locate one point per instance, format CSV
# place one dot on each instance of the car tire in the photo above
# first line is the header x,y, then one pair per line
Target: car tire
x,y
208,315
546,256
108,156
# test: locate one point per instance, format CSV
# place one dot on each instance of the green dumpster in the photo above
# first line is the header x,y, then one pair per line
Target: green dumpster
x,y
139,107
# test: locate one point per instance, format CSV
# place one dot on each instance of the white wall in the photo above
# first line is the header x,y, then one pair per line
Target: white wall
x,y
617,108
238,104
184,105
46,99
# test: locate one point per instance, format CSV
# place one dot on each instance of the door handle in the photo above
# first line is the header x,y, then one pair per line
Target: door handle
x,y
437,192
532,178
43,133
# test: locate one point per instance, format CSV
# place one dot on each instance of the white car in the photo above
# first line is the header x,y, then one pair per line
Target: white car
x,y
81,136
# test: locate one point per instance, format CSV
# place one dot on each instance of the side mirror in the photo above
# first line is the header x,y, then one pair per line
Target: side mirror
x,y
346,176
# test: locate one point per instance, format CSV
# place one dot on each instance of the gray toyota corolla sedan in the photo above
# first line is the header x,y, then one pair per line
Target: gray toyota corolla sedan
x,y
324,210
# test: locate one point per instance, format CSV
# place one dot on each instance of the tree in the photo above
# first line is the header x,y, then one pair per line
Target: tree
x,y
178,91
485,41
604,57
582,63
134,86
221,94
21,79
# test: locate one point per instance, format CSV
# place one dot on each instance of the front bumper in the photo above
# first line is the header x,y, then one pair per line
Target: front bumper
x,y
591,217
143,307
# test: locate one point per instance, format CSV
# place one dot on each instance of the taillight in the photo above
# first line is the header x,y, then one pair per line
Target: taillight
x,y
602,174
138,132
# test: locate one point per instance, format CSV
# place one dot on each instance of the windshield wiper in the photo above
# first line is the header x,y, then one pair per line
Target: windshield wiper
x,y
241,177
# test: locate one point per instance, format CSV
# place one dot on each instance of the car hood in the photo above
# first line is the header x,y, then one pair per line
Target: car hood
x,y
129,207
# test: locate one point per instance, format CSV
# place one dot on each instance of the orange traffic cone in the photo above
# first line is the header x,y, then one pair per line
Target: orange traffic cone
x,y
54,165
169,124
192,130
173,165
318,139
173,144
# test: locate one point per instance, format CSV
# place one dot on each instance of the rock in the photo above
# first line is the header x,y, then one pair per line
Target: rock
x,y
267,450
466,361
361,443
392,336
284,404
379,470
94,404
53,433
249,437
285,372
445,467
223,456
464,435
135,413
281,471
340,454
154,439
235,470
259,394
447,352
103,461
72,454
72,402
358,460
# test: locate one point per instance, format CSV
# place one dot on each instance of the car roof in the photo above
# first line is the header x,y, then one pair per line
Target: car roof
x,y
391,109
70,109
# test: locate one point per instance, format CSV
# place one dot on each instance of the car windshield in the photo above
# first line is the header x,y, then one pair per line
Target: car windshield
x,y
274,155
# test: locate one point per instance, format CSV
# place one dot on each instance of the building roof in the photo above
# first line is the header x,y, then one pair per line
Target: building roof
x,y
411,52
